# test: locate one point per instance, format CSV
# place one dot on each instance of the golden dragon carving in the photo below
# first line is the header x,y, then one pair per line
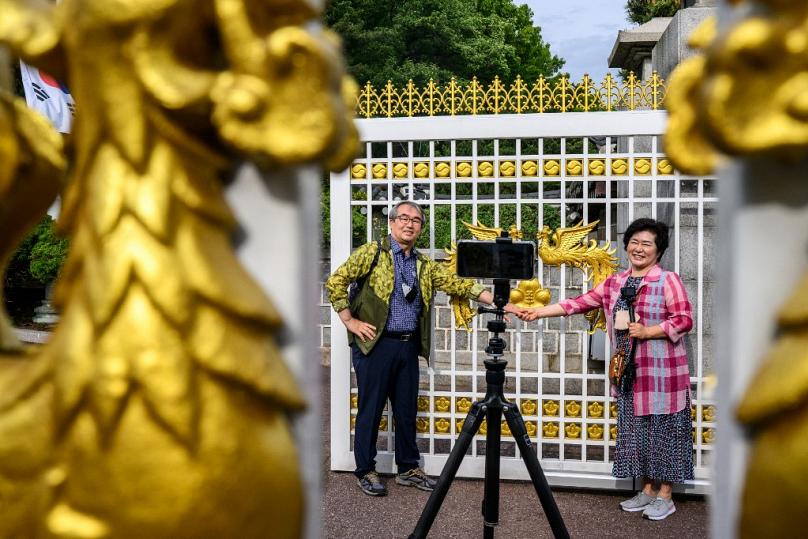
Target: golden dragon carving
x,y
747,95
160,406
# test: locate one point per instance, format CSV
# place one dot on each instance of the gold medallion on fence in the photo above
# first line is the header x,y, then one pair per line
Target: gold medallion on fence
x,y
550,429
594,431
642,166
485,169
423,404
595,409
550,408
529,168
359,171
664,167
442,170
422,425
596,167
507,169
573,408
463,405
463,169
529,407
442,425
573,430
551,168
619,167
421,170
379,171
574,167
400,170
442,404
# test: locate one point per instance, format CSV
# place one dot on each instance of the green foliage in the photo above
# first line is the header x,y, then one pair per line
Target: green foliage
x,y
39,257
642,11
399,40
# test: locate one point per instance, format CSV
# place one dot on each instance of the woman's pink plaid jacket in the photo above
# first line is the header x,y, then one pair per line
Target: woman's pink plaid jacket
x,y
663,378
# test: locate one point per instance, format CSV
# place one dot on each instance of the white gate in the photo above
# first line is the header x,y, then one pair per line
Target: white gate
x,y
529,170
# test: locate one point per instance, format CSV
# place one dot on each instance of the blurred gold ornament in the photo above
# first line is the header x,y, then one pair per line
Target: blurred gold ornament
x,y
529,168
529,407
442,425
459,425
642,166
442,404
463,169
161,405
551,168
485,169
708,435
595,409
379,171
353,422
597,167
530,294
421,425
358,171
507,169
574,167
423,403
550,429
572,430
400,170
483,428
442,170
383,423
463,405
421,170
708,413
775,409
354,401
612,410
531,428
619,167
550,408
664,167
594,431
613,432
573,409
692,413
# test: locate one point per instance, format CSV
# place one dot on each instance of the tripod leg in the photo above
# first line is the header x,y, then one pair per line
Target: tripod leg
x,y
470,427
491,488
517,426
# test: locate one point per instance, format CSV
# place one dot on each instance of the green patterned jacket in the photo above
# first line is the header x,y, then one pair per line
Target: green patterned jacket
x,y
373,303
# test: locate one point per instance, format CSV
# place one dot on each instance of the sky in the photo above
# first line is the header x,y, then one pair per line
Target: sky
x,y
582,32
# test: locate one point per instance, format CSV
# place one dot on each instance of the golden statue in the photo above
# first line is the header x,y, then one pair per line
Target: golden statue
x,y
460,306
748,96
160,406
569,246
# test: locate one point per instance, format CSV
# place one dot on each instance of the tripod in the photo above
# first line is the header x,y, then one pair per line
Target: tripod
x,y
491,408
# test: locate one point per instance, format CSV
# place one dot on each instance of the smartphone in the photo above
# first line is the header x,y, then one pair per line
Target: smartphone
x,y
496,259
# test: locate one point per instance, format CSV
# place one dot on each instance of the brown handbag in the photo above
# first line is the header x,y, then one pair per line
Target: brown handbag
x,y
617,365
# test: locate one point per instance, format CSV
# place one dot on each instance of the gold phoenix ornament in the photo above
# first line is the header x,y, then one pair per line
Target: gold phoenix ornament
x,y
160,406
569,246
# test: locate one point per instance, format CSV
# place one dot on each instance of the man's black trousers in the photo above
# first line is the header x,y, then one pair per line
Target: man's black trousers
x,y
389,371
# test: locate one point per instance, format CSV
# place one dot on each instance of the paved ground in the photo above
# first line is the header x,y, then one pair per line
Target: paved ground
x,y
348,513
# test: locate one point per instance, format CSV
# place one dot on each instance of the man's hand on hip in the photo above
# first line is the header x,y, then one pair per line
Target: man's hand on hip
x,y
363,330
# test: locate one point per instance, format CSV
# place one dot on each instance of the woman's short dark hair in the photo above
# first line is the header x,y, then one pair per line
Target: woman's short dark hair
x,y
657,228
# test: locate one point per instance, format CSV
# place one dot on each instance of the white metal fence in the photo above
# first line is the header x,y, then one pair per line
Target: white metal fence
x,y
529,170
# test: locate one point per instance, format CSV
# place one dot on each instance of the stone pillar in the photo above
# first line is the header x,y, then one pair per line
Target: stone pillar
x,y
279,217
763,241
672,46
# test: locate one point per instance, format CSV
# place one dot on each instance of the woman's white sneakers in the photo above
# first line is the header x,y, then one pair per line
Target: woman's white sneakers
x,y
652,507
659,509
639,502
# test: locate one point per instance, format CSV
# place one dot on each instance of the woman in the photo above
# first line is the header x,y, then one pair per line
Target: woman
x,y
654,440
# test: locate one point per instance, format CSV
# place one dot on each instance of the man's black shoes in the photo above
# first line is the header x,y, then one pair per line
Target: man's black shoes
x,y
371,484
416,478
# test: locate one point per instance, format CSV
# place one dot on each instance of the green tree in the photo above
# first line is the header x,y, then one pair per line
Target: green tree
x,y
38,259
399,40
642,11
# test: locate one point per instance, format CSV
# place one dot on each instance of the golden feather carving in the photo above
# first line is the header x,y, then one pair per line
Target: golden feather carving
x,y
483,232
160,406
461,307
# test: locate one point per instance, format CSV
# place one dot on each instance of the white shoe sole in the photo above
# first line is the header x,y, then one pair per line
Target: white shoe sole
x,y
661,517
634,509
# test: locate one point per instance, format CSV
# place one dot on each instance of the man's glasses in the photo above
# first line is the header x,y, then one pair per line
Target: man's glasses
x,y
407,219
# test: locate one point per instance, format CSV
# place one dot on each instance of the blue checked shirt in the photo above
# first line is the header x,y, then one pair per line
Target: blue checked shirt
x,y
403,315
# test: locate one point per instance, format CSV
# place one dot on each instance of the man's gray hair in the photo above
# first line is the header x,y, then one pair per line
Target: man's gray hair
x,y
394,211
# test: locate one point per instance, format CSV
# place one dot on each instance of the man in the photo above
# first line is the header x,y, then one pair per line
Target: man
x,y
387,332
